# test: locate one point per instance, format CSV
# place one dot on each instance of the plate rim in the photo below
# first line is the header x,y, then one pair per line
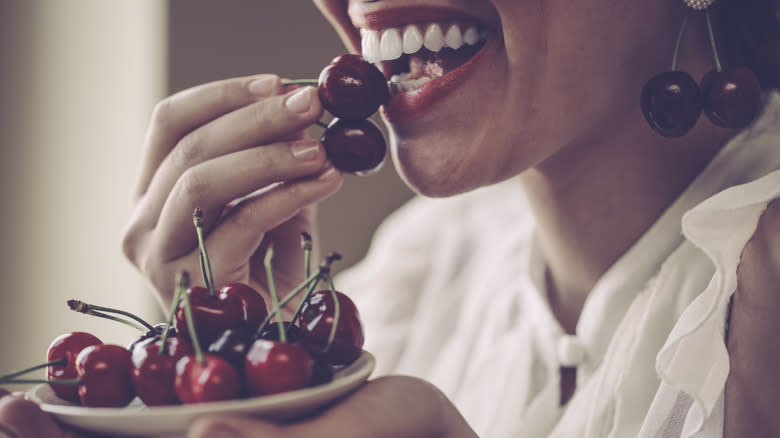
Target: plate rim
x,y
352,376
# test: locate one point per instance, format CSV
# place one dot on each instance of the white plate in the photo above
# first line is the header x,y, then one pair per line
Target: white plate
x,y
172,421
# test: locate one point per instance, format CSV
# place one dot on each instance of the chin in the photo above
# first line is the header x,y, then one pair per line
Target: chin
x,y
442,169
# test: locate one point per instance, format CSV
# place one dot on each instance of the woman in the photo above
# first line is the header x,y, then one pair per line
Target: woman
x,y
561,293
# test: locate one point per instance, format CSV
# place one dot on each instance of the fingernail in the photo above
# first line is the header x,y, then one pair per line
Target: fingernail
x,y
300,101
263,87
329,173
305,149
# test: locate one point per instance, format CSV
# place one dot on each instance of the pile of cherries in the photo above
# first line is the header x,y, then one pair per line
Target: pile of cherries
x,y
352,89
215,345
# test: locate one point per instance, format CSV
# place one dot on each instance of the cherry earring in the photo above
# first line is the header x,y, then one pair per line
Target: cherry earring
x,y
672,101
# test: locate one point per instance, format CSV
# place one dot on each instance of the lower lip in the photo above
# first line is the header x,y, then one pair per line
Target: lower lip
x,y
414,103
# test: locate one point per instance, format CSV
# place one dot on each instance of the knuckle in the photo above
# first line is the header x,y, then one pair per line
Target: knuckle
x,y
193,185
260,112
133,235
129,244
191,148
161,114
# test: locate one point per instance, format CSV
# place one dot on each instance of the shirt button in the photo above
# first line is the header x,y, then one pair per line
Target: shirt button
x,y
571,351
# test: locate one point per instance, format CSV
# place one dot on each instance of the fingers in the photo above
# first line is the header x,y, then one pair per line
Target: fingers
x,y
21,418
236,236
260,123
181,113
213,184
387,407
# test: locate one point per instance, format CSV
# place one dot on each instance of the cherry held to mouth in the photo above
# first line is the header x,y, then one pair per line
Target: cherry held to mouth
x,y
355,146
352,88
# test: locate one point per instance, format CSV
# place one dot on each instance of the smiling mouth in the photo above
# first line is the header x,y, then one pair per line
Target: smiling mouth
x,y
413,55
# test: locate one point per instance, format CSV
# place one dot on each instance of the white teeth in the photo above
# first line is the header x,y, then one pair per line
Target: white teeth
x,y
434,38
370,46
390,45
413,40
453,39
471,36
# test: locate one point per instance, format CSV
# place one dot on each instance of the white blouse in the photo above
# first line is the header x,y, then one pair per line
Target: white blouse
x,y
453,292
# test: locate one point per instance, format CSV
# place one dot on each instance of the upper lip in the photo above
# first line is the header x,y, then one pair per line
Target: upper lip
x,y
381,19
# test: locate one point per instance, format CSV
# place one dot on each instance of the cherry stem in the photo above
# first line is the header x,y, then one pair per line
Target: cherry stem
x,y
300,82
305,298
336,311
50,382
63,361
191,327
269,274
306,244
286,300
115,318
205,264
182,283
679,40
91,309
712,40
322,272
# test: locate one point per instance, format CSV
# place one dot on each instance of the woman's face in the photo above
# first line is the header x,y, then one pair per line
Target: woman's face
x,y
548,76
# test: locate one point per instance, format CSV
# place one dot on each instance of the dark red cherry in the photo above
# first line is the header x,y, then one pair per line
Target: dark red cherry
x,y
213,380
322,372
271,332
671,102
67,346
154,374
731,97
213,315
316,320
355,146
252,304
232,346
272,367
352,88
105,373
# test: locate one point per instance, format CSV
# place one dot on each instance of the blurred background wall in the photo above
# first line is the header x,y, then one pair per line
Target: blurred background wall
x,y
78,80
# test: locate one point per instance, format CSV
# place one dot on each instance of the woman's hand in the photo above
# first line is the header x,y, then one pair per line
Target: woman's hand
x,y
215,147
20,418
388,407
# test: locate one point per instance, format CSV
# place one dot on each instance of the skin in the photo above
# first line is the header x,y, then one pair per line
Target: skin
x,y
560,114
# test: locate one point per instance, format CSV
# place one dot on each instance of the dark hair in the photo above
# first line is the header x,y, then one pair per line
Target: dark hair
x,y
751,36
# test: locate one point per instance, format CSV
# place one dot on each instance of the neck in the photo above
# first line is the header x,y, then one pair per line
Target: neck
x,y
590,209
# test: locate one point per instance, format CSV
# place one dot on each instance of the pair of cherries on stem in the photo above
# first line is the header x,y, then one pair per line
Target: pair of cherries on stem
x,y
352,89
82,369
672,101
236,306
